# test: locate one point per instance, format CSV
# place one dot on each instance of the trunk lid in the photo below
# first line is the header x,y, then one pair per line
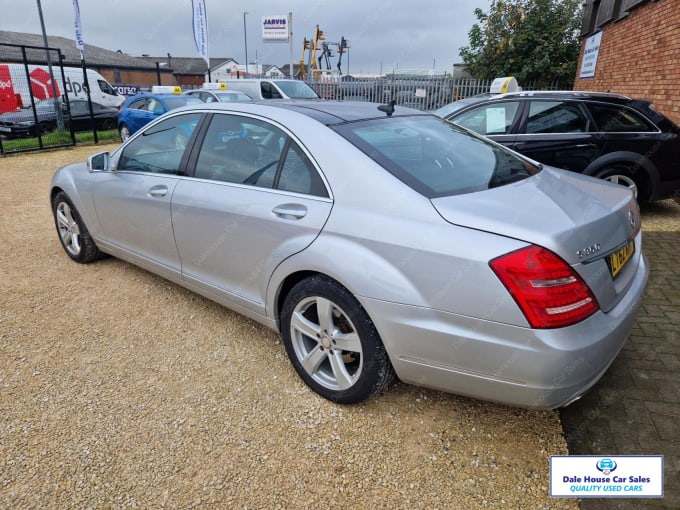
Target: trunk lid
x,y
581,219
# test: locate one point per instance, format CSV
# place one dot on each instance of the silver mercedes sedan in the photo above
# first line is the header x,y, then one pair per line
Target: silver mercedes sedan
x,y
380,241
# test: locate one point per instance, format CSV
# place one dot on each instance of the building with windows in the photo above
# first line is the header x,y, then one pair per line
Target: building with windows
x,y
632,47
117,67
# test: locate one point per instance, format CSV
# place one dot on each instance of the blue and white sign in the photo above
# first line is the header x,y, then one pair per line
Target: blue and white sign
x,y
580,476
201,29
590,54
80,42
275,28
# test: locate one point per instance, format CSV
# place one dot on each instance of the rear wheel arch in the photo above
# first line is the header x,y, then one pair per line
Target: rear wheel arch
x,y
338,353
632,165
286,286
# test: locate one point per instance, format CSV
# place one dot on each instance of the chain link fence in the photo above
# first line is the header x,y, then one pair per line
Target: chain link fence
x,y
34,109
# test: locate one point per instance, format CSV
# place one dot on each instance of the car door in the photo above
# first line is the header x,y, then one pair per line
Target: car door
x,y
151,109
494,120
558,133
132,202
80,115
255,198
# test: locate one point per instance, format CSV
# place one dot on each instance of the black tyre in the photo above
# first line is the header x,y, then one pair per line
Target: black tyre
x,y
73,234
332,342
108,124
635,180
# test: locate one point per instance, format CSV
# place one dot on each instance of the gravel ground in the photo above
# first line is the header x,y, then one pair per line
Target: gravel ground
x,y
119,389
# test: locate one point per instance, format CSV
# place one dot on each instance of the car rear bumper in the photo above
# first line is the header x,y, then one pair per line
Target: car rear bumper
x,y
513,365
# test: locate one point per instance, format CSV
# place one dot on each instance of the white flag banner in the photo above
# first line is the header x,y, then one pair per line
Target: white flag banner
x,y
201,29
80,43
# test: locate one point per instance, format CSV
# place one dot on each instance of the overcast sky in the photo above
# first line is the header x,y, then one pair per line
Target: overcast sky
x,y
389,33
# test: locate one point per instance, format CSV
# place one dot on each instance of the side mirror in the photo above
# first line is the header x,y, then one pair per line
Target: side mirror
x,y
99,162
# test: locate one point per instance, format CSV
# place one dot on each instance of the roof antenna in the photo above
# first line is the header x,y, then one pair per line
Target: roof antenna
x,y
388,108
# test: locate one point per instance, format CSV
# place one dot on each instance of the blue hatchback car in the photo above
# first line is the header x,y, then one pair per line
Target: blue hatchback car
x,y
140,109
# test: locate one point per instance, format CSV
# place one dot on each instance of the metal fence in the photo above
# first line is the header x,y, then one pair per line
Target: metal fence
x,y
427,93
33,113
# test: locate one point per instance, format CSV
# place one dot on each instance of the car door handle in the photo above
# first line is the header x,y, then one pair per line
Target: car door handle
x,y
158,191
290,211
586,146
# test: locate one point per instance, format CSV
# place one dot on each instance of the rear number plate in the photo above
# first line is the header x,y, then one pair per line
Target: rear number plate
x,y
620,257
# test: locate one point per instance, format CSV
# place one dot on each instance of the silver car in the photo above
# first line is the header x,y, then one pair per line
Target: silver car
x,y
379,241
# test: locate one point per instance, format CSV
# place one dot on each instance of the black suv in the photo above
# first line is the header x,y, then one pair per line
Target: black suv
x,y
610,136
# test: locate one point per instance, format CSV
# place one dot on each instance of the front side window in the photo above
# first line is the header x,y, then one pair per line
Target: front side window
x,y
491,119
106,88
556,117
269,91
160,148
435,157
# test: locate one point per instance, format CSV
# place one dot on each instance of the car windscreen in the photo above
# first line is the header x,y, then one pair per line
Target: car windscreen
x,y
176,102
297,89
435,157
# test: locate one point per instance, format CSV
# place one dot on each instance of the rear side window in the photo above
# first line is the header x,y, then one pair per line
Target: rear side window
x,y
611,119
556,117
138,104
249,151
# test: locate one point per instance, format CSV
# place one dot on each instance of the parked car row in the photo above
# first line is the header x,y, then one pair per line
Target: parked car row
x,y
610,136
139,110
23,122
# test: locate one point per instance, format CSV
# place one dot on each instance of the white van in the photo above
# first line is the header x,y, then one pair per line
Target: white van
x,y
16,89
273,89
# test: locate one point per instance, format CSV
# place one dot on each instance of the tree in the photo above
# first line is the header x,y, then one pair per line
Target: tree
x,y
532,40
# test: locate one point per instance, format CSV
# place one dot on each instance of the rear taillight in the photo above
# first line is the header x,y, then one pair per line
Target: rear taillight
x,y
549,292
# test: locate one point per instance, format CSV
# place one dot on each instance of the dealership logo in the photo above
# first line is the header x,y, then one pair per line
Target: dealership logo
x,y
606,466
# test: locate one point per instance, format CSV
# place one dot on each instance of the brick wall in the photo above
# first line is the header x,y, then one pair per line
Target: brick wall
x,y
640,57
139,78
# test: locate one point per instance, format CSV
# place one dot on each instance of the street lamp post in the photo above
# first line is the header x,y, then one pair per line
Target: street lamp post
x,y
245,41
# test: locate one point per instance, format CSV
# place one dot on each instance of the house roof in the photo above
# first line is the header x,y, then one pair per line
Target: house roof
x,y
94,56
187,65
